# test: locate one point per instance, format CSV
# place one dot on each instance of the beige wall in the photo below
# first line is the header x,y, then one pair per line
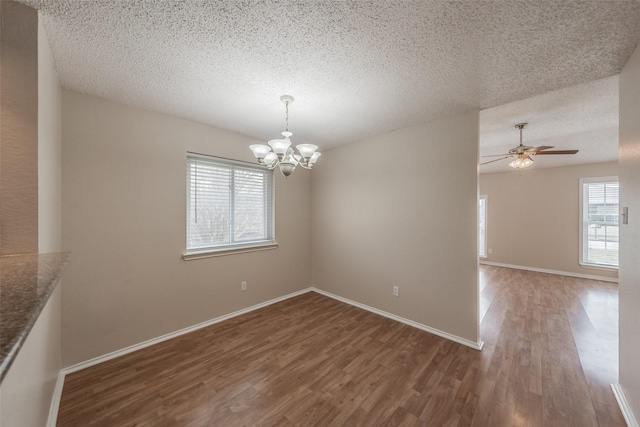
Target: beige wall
x,y
123,206
28,387
533,217
49,149
400,209
19,129
630,234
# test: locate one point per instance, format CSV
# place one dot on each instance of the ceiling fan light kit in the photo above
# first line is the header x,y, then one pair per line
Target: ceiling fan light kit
x,y
522,161
278,152
523,153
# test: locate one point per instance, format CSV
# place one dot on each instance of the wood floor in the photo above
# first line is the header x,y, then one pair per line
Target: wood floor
x,y
550,355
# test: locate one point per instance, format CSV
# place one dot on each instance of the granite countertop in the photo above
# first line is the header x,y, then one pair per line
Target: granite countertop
x,y
26,283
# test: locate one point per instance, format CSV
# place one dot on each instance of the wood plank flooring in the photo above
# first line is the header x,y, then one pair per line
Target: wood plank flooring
x,y
550,354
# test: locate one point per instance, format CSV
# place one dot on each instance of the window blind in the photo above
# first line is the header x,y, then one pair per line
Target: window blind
x,y
229,203
600,214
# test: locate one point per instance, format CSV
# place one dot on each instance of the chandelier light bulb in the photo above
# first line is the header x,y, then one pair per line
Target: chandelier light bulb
x,y
314,158
260,151
306,150
280,147
270,159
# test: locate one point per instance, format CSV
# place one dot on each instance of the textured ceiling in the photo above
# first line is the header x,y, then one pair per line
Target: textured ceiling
x,y
356,67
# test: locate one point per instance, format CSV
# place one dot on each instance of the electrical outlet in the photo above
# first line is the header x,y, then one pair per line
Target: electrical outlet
x,y
396,291
243,286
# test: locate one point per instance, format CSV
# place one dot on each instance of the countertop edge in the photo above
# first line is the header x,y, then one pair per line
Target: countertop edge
x,y
16,344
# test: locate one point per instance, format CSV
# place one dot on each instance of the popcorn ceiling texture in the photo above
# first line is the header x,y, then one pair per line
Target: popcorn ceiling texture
x,y
356,68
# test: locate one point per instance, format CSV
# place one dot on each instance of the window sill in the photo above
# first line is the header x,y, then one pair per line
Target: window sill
x,y
210,253
599,267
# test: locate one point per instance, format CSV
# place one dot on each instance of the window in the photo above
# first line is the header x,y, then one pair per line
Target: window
x,y
229,205
600,208
482,226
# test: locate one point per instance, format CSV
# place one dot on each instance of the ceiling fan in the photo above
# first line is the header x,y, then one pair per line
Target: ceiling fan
x,y
523,153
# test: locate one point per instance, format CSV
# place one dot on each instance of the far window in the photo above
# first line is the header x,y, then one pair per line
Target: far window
x,y
229,204
482,226
600,213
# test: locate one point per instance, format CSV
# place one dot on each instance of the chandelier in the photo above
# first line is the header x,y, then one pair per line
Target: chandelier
x,y
280,153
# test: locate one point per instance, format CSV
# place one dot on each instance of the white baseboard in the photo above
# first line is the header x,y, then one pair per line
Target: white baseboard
x,y
55,400
475,345
544,270
624,406
165,337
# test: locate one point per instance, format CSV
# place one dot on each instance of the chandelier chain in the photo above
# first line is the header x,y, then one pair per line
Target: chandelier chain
x,y
286,106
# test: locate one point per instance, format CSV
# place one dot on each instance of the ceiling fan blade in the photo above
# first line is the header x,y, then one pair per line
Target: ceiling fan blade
x,y
497,155
557,152
491,161
538,149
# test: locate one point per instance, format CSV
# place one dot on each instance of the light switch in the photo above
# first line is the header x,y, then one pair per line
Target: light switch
x,y
625,215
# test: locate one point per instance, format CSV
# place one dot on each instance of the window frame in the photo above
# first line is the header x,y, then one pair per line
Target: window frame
x,y
582,231
483,254
191,253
